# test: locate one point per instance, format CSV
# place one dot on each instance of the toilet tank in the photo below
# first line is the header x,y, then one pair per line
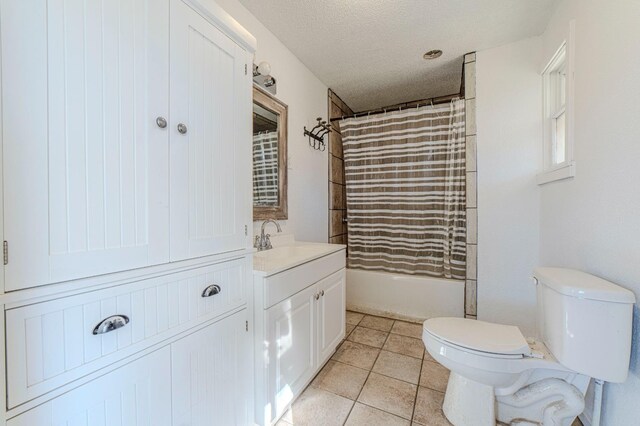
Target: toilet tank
x,y
585,322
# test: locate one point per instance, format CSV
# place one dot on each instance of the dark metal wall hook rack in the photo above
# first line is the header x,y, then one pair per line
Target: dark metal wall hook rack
x,y
317,134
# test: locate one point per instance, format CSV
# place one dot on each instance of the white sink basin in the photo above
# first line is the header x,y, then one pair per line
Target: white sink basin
x,y
278,259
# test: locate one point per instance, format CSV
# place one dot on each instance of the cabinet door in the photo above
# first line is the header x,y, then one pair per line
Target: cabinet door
x,y
331,314
135,394
210,157
211,375
291,346
85,167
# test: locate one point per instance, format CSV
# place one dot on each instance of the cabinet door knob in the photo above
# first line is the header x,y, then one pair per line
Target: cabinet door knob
x,y
182,128
212,290
111,323
161,122
322,293
317,296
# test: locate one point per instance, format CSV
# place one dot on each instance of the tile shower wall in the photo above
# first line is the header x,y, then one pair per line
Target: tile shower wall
x,y
337,190
471,284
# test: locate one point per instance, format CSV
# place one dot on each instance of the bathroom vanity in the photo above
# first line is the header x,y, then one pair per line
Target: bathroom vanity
x,y
299,317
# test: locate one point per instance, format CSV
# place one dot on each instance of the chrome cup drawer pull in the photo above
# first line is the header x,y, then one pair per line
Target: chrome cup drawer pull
x,y
111,323
212,290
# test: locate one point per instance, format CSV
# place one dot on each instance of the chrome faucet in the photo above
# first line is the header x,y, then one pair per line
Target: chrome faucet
x,y
262,241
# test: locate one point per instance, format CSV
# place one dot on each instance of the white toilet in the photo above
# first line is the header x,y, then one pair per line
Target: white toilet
x,y
584,324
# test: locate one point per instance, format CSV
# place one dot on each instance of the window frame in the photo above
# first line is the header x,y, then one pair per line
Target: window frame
x,y
562,59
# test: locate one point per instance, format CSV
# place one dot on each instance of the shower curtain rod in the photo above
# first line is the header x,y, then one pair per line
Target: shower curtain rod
x,y
406,105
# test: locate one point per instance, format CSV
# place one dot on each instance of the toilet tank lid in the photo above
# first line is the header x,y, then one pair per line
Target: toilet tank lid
x,y
574,283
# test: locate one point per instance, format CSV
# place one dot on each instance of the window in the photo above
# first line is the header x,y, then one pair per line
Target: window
x,y
557,81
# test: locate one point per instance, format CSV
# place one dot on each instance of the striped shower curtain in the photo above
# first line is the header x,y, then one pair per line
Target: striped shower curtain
x,y
265,168
405,180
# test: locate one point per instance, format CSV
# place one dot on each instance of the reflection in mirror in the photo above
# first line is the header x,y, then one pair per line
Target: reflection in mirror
x,y
265,157
269,156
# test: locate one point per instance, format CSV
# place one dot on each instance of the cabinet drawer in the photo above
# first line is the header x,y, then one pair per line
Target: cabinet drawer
x,y
52,343
287,283
136,393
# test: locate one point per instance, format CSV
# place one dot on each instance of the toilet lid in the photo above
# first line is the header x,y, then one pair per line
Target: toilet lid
x,y
479,335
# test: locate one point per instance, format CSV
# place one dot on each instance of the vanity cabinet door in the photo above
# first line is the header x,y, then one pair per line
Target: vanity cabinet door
x,y
211,375
291,347
210,143
85,166
139,393
331,314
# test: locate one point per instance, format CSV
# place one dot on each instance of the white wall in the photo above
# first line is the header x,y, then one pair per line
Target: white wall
x,y
306,97
509,99
592,222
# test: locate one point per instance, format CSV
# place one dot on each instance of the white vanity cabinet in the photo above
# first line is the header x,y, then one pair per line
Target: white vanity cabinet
x,y
331,314
291,350
300,320
101,173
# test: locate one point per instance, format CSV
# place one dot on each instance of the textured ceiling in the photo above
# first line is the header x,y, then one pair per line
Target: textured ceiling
x,y
370,51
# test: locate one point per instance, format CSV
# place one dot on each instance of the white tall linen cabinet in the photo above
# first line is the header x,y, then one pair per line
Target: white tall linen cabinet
x,y
126,210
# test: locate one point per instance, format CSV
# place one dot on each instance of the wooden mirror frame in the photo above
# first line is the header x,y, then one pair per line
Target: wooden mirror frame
x,y
267,101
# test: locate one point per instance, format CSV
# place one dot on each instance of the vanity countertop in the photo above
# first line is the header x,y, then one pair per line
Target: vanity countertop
x,y
278,259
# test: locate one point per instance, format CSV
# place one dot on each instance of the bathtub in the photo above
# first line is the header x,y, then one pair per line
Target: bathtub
x,y
404,296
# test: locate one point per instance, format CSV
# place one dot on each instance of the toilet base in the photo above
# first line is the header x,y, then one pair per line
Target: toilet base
x,y
469,403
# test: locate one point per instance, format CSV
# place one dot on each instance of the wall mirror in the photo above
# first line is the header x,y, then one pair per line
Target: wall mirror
x,y
269,156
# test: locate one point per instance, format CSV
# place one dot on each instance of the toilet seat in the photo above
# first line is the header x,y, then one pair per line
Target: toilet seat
x,y
484,338
492,354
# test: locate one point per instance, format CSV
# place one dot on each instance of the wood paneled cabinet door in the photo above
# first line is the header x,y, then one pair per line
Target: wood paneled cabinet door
x,y
99,173
211,375
331,314
138,393
210,138
85,166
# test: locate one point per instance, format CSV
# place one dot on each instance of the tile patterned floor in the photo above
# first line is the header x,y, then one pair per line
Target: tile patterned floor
x,y
380,375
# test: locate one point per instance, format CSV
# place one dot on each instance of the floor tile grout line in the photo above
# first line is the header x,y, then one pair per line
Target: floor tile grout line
x,y
418,385
382,348
370,370
415,398
374,329
407,320
380,409
380,374
390,330
310,385
367,378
